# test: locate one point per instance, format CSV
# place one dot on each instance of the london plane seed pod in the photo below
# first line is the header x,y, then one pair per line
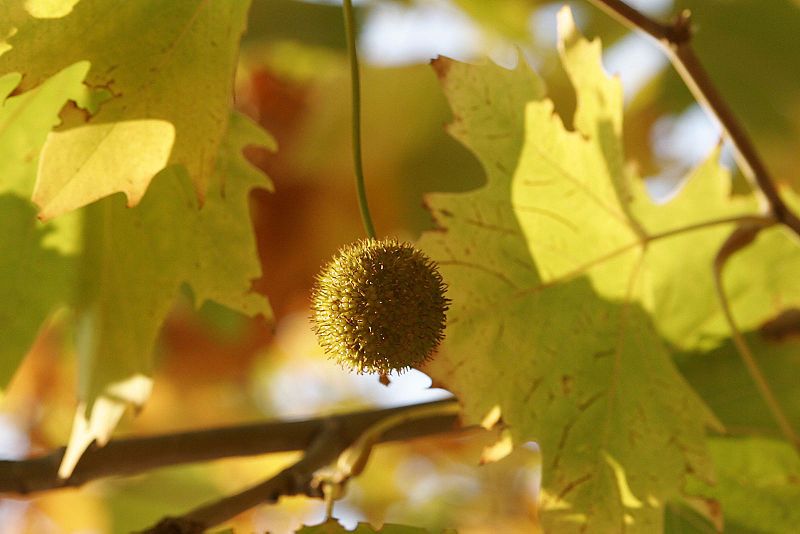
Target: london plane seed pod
x,y
378,306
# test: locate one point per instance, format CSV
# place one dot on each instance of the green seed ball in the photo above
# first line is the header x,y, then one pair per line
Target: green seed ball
x,y
379,306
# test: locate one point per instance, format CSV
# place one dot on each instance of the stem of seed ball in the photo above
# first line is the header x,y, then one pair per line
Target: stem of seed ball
x,y
350,32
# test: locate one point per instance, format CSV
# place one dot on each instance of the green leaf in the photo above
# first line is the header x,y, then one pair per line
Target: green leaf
x,y
758,484
27,118
34,280
760,281
721,378
549,286
36,260
133,265
681,519
65,182
168,62
680,267
124,271
614,227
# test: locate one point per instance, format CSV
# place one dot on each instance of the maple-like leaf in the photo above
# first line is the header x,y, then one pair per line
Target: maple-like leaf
x,y
133,264
119,269
557,262
36,271
547,268
169,67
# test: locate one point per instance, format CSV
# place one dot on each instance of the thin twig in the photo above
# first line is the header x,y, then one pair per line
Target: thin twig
x,y
294,480
352,460
737,240
137,455
675,39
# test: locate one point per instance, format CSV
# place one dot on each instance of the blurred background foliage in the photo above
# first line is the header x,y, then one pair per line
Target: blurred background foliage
x,y
216,367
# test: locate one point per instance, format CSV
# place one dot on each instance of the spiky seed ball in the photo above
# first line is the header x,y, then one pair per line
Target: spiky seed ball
x,y
378,306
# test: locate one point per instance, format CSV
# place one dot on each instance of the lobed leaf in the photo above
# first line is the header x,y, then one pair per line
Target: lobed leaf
x,y
565,274
119,268
169,62
36,265
133,265
551,324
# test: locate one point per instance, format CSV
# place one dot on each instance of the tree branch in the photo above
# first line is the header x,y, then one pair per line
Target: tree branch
x,y
675,39
331,459
136,455
294,480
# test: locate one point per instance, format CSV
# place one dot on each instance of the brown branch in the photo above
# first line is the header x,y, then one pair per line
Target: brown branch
x,y
306,477
294,480
675,39
136,455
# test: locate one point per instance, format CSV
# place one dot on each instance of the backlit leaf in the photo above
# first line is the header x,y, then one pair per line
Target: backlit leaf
x,y
27,118
129,151
36,266
547,267
170,62
133,265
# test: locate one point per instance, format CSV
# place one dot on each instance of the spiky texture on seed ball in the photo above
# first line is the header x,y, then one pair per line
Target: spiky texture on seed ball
x,y
379,306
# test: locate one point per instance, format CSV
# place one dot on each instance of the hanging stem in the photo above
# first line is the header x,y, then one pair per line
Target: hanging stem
x,y
350,32
738,240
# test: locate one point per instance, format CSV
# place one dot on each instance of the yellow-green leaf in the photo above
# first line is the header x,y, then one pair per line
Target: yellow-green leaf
x,y
36,267
722,379
34,280
758,484
125,154
27,118
547,271
171,62
132,267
